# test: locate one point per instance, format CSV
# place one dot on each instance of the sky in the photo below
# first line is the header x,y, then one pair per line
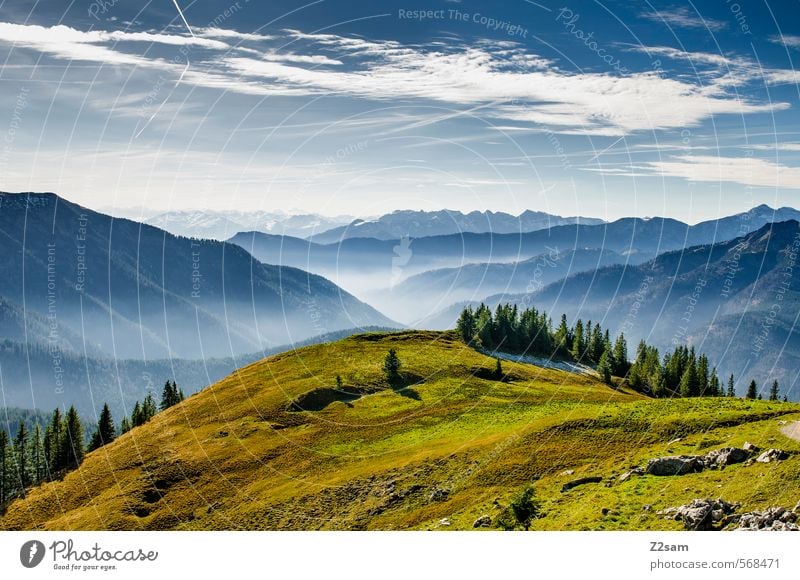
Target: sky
x,y
604,109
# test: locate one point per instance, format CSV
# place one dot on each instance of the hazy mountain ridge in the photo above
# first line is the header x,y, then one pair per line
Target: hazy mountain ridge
x,y
419,224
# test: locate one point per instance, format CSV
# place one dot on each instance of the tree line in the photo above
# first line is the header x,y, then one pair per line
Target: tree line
x,y
46,452
680,373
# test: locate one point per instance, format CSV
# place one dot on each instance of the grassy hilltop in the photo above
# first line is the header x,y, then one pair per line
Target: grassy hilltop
x,y
454,444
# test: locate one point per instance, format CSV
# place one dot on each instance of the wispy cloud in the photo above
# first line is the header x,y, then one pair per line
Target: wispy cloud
x,y
682,17
787,40
506,83
743,170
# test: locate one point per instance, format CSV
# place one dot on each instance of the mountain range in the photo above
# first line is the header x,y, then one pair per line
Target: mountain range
x,y
82,281
737,301
419,224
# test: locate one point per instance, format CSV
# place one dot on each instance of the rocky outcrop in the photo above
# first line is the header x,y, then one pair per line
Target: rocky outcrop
x,y
702,514
482,522
725,456
582,481
439,494
674,465
772,455
771,519
630,473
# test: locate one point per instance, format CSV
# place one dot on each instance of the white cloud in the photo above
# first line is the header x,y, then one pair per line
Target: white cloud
x,y
683,18
743,170
512,86
787,40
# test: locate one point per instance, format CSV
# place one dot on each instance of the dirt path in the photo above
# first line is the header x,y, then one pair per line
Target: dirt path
x,y
792,430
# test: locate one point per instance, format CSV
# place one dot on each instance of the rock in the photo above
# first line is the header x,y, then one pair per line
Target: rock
x,y
702,514
444,522
608,512
772,519
678,440
567,472
749,447
628,474
797,508
724,456
772,455
647,507
439,495
482,522
582,481
674,465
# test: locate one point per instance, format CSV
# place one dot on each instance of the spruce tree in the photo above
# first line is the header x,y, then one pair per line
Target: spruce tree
x,y
149,407
52,443
21,456
498,370
689,384
604,367
72,440
136,415
621,356
105,432
774,391
731,387
124,426
37,456
391,367
752,389
4,467
578,341
466,325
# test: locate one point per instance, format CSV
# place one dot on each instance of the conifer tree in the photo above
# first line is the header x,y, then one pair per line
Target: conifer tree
x,y
105,432
37,456
774,391
466,325
752,389
71,444
4,467
391,366
731,387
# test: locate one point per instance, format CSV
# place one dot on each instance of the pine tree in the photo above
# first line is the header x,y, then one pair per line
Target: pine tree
x,y
72,440
170,395
731,387
136,415
466,325
714,387
149,408
689,386
578,341
21,457
752,389
105,432
563,338
604,367
4,467
52,444
774,391
621,356
124,426
391,366
37,455
498,370
338,382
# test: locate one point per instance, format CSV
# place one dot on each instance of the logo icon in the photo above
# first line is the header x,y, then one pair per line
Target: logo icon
x,y
32,553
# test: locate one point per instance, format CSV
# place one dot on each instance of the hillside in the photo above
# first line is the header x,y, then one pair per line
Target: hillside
x,y
93,283
719,297
453,445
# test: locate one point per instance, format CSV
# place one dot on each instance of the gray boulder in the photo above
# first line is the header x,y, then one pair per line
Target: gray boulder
x,y
772,455
750,447
703,514
674,465
724,456
628,474
482,522
582,481
772,519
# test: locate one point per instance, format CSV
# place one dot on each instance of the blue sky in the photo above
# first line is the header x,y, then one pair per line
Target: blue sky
x,y
595,108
